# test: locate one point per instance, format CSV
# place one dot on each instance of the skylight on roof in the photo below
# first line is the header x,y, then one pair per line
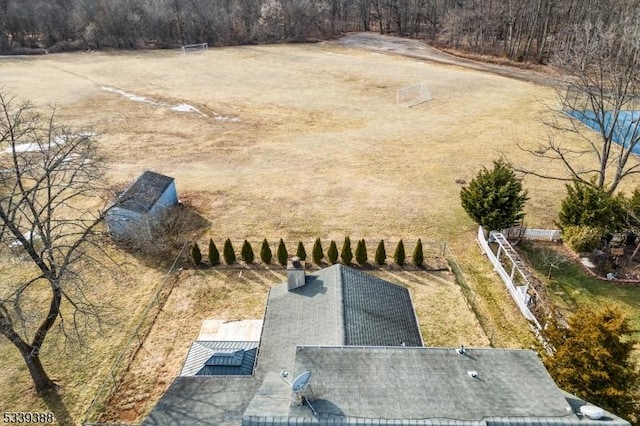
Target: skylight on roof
x,y
226,357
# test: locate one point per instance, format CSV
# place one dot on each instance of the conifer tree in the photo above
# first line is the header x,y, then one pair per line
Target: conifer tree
x,y
381,253
265,252
196,254
247,252
228,253
495,198
332,253
301,252
361,253
282,254
317,252
214,255
346,254
399,255
593,358
418,256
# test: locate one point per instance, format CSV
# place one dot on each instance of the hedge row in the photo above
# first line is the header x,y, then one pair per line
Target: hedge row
x,y
317,253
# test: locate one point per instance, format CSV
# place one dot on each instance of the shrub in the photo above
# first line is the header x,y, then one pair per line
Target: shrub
x,y
247,252
593,207
346,254
317,252
332,253
265,252
418,256
361,253
282,254
494,199
196,254
381,253
399,255
228,253
301,252
214,255
582,239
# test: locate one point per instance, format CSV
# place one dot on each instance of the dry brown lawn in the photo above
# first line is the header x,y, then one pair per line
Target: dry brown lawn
x,y
293,141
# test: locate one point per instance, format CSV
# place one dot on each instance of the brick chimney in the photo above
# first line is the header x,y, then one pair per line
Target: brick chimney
x,y
295,273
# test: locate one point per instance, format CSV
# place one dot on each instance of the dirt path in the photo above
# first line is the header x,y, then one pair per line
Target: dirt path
x,y
421,51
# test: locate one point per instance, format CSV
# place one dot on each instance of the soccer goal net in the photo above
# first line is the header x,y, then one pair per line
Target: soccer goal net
x,y
195,48
411,96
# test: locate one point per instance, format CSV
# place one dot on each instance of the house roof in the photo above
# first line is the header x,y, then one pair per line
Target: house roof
x,y
337,306
419,383
143,194
220,358
346,328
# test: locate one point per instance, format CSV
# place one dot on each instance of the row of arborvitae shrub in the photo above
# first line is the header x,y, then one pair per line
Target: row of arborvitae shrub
x,y
317,253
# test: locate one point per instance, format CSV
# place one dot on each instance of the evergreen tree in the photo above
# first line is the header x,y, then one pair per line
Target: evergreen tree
x,y
196,254
332,253
265,252
591,206
317,252
282,254
228,252
247,252
593,358
381,253
361,252
301,252
495,198
346,254
214,255
418,256
399,255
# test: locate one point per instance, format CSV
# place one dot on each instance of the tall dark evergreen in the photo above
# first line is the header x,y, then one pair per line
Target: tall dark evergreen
x,y
196,254
228,252
332,253
418,256
381,253
495,198
265,252
399,255
247,252
317,252
301,252
361,252
346,254
214,255
281,253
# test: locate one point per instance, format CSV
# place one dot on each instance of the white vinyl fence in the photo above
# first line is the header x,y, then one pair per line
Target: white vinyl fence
x,y
508,265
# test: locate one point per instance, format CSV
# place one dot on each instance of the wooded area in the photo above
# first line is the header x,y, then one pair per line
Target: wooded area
x,y
524,30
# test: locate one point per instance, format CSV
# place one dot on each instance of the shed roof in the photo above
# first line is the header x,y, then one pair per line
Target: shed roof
x,y
143,194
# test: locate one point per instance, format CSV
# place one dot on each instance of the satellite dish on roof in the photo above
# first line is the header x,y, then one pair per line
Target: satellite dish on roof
x,y
301,382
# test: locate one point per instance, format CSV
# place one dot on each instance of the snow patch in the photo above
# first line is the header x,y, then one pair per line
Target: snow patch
x,y
183,107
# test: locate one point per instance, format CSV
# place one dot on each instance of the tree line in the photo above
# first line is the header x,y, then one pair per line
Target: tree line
x,y
530,30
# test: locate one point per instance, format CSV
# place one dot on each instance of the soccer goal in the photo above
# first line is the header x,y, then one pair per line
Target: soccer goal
x,y
195,48
411,96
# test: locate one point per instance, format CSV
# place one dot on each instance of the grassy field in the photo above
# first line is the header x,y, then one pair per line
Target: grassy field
x,y
288,141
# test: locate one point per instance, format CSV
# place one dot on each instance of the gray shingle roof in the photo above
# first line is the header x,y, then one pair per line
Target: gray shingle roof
x,y
419,386
337,306
377,312
209,358
143,194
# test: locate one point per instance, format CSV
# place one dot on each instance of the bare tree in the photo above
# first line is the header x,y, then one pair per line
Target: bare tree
x,y
602,94
47,174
